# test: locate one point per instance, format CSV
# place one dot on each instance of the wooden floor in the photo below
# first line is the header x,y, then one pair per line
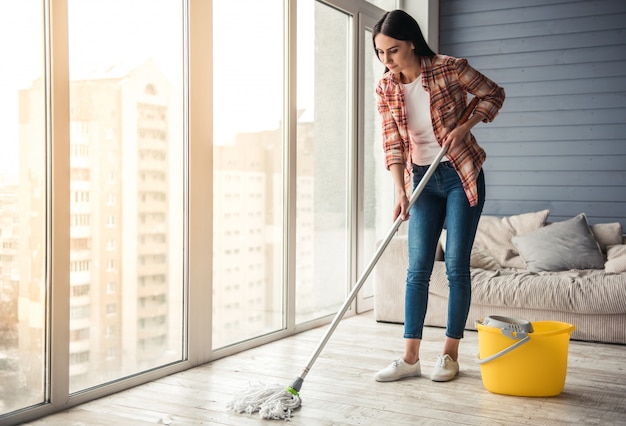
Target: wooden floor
x,y
340,389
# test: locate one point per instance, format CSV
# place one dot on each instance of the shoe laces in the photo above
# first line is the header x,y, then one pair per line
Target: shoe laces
x,y
441,361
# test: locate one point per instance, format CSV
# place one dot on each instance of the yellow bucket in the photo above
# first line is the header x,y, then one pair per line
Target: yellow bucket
x,y
523,362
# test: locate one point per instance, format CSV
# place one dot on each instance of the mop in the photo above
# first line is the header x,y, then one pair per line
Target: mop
x,y
276,402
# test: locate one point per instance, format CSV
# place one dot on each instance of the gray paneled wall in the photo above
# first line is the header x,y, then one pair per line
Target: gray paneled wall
x,y
560,139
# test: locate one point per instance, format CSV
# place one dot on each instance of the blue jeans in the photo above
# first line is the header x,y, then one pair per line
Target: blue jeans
x,y
442,201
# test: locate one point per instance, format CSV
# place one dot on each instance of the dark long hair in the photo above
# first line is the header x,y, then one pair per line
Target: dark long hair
x,y
400,25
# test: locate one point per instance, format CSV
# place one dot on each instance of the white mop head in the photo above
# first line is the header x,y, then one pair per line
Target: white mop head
x,y
272,401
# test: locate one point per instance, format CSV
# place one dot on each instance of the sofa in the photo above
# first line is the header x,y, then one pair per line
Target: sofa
x,y
524,266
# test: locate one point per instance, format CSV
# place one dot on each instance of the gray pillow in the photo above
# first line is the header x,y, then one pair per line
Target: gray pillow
x,y
560,246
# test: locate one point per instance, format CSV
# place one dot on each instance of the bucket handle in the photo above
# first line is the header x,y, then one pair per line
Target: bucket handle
x,y
503,351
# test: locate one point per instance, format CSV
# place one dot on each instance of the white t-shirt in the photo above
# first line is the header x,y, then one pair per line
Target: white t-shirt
x,y
424,147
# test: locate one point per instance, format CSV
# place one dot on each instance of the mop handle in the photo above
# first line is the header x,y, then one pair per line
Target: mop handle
x,y
346,304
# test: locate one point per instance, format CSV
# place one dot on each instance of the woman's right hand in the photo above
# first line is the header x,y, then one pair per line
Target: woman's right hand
x,y
400,208
402,201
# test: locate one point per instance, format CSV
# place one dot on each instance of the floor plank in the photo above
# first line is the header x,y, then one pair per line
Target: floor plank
x,y
340,389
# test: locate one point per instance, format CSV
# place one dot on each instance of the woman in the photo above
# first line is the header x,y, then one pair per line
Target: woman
x,y
420,98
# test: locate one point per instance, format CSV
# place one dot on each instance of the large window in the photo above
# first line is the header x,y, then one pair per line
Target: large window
x,y
248,296
323,164
377,189
126,186
23,200
180,180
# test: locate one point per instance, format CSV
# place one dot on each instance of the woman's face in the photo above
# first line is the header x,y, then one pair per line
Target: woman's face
x,y
396,55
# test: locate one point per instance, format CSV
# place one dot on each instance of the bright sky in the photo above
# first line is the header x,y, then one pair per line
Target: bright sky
x,y
101,33
247,53
16,37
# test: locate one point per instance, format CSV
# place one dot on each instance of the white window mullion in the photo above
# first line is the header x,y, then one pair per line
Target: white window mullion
x,y
290,133
200,180
58,135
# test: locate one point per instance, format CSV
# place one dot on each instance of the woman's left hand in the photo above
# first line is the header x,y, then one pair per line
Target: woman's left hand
x,y
455,138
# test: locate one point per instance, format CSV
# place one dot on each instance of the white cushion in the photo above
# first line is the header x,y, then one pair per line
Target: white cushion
x,y
616,258
607,234
495,235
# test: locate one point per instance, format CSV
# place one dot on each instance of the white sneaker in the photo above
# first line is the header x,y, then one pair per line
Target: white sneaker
x,y
445,369
399,369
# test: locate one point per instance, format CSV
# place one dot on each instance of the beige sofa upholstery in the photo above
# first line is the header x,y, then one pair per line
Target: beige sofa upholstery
x,y
592,300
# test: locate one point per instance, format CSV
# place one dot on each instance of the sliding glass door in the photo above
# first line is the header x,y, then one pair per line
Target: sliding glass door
x,y
324,135
375,200
344,198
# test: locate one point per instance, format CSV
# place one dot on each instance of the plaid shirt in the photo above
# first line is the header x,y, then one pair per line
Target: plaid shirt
x,y
448,80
